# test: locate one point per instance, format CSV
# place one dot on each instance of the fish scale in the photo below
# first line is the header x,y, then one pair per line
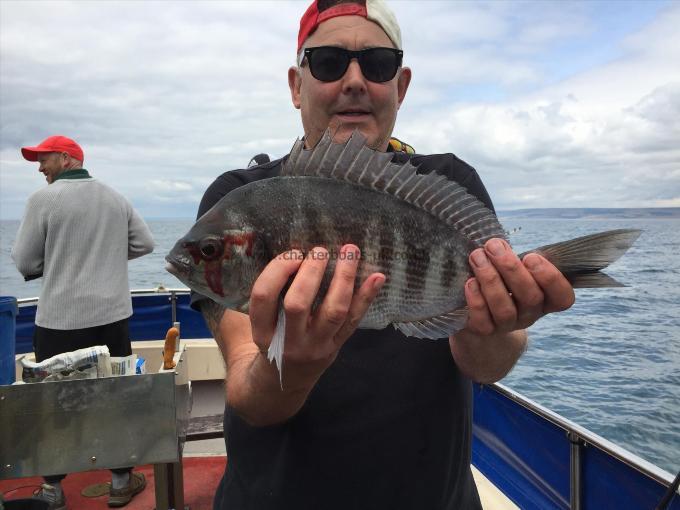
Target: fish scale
x,y
317,202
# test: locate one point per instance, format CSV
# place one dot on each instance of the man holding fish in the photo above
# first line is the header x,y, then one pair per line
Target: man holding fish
x,y
375,417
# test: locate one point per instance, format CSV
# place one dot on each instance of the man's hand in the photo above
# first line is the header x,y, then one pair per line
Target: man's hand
x,y
507,294
313,337
504,297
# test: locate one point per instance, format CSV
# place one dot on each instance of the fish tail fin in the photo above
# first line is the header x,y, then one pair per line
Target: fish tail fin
x,y
582,259
275,352
598,279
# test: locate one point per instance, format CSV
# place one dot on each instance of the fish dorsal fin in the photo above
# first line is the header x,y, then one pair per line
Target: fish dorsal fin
x,y
354,162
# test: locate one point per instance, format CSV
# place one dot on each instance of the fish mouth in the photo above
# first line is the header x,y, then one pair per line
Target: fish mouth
x,y
177,267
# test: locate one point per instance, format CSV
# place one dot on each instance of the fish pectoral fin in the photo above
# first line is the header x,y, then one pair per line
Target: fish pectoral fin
x,y
275,352
440,326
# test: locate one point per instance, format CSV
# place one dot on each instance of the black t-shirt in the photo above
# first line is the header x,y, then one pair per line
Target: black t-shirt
x,y
388,425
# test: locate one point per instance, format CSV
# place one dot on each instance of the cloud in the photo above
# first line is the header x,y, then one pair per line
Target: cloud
x,y
604,137
547,100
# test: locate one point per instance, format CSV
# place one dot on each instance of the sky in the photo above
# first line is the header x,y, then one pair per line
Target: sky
x,y
556,104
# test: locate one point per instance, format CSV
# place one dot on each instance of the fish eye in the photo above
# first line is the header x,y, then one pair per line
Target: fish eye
x,y
210,248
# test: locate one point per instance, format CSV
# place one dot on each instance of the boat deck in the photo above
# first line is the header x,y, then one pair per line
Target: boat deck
x,y
201,477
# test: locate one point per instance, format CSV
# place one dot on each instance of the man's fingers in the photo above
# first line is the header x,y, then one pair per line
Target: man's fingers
x,y
332,312
299,298
496,294
264,297
479,320
362,300
526,293
558,292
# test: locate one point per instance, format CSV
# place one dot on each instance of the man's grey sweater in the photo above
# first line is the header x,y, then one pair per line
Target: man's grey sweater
x,y
79,234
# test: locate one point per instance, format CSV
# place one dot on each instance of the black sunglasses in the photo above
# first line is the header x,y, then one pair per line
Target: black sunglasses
x,y
330,63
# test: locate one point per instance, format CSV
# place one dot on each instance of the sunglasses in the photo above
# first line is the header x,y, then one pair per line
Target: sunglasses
x,y
330,63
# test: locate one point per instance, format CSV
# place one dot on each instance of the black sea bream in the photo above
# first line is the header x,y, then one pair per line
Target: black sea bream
x,y
416,229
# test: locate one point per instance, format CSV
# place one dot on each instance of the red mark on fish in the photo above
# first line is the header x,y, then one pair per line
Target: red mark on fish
x,y
212,252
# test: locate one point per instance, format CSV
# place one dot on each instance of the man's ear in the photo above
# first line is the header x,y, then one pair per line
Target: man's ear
x,y
403,82
294,83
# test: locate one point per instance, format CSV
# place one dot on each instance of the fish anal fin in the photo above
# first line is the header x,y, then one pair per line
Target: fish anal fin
x,y
440,326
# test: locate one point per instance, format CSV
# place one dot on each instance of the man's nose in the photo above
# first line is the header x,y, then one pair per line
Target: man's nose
x,y
353,80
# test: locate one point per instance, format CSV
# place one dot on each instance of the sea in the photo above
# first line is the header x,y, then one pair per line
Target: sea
x,y
611,363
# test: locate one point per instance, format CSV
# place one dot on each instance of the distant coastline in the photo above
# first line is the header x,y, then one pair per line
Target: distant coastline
x,y
563,213
595,213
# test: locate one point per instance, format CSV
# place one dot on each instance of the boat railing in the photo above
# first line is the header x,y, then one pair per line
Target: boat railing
x,y
172,296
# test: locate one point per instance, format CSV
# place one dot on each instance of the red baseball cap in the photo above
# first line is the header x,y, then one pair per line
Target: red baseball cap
x,y
55,143
373,10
